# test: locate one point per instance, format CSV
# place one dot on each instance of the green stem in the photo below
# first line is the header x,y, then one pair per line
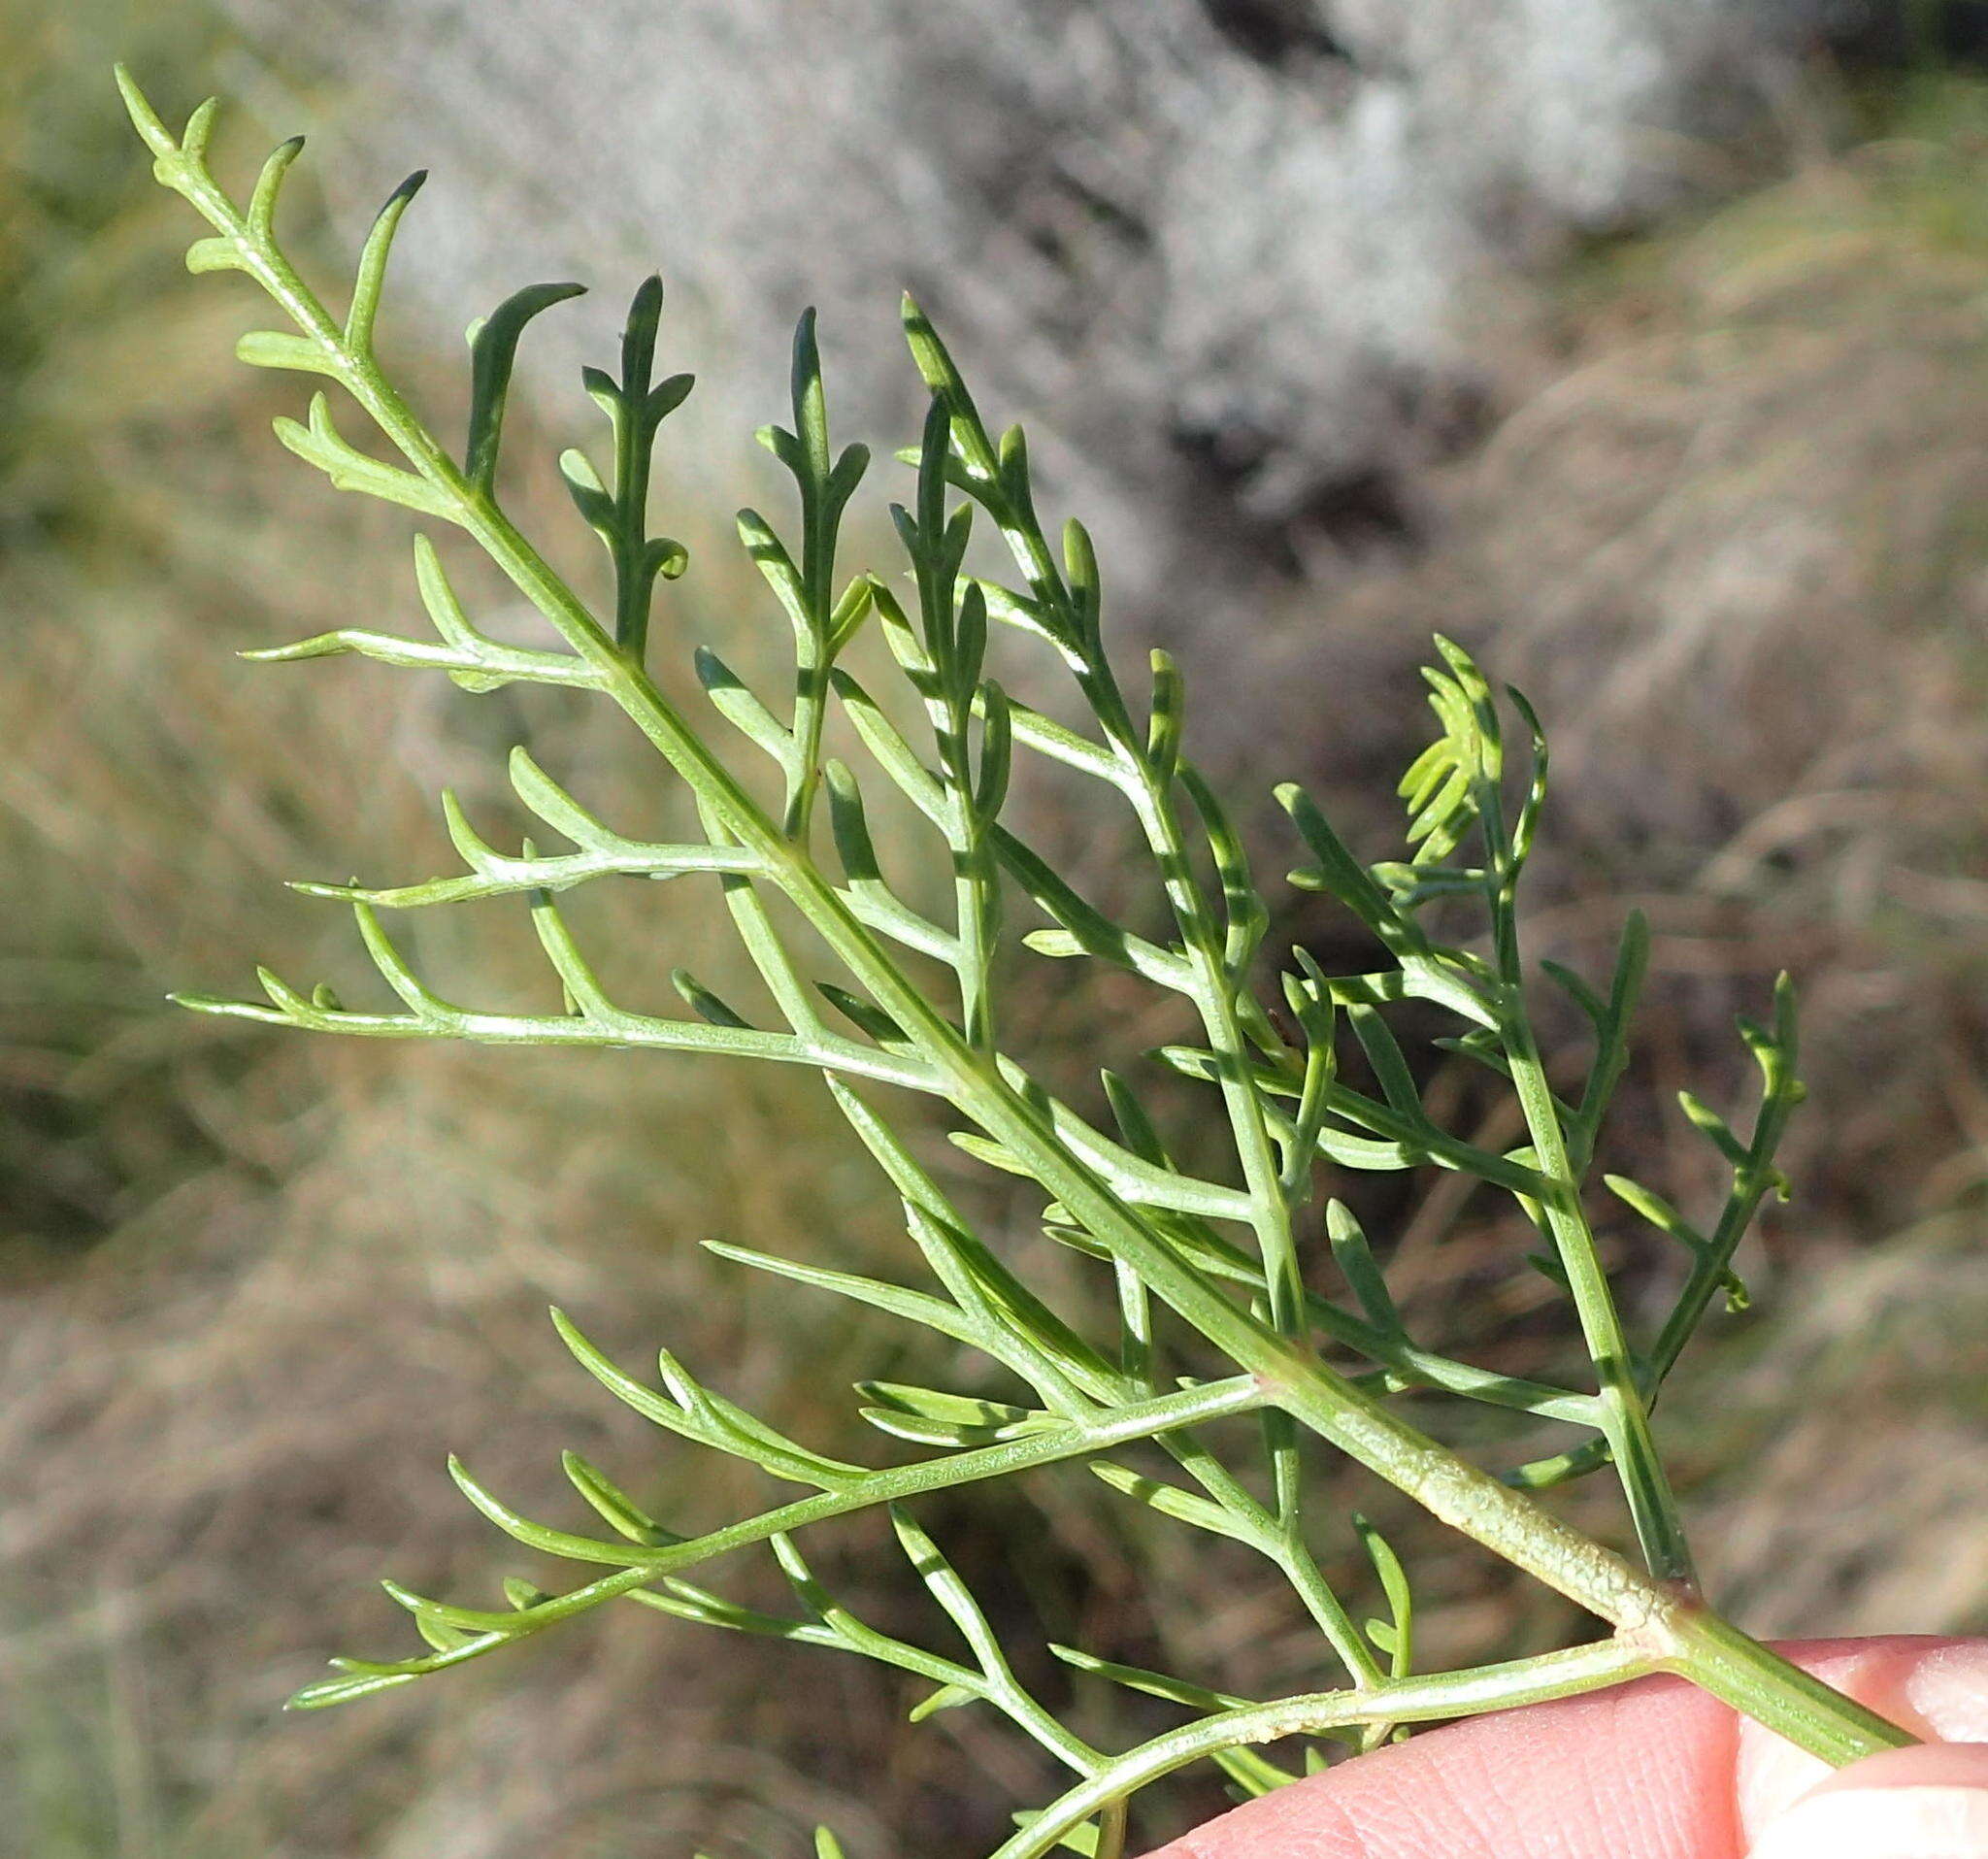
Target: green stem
x,y
1751,1185
1624,1414
1214,991
810,706
976,917
1505,1686
890,1486
1555,1675
1755,1679
632,584
1214,961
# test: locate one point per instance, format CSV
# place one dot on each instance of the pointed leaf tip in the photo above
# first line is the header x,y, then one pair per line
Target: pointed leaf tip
x,y
493,351
144,118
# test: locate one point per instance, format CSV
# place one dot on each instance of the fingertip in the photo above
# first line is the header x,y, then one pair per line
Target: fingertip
x,y
1926,1765
1946,1693
1929,1803
1658,1770
1937,1690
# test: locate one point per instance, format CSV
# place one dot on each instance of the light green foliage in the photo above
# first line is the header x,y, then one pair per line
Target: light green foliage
x,y
1227,1357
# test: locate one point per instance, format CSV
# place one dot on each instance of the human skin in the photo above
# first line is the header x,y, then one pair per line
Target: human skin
x,y
1655,1770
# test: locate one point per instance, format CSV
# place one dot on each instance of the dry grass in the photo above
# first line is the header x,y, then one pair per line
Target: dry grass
x,y
1754,566
259,1285
1731,539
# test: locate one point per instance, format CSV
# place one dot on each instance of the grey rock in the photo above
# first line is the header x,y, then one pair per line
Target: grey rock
x,y
1227,258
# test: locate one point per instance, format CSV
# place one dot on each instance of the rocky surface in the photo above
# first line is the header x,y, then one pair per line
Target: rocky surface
x,y
1230,259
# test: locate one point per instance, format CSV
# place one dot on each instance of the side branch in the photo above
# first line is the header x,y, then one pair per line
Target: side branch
x,y
1555,1675
619,1028
1141,1420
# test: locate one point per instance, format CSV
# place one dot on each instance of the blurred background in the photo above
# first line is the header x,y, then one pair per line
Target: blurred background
x,y
1643,344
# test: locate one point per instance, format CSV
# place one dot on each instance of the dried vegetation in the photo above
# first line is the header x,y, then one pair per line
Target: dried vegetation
x,y
1730,539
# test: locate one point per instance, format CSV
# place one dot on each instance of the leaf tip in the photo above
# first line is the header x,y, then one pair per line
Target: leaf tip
x,y
144,118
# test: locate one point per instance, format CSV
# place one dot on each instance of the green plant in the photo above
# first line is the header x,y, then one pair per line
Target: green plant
x,y
1225,1356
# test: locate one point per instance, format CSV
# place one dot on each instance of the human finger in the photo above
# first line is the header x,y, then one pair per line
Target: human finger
x,y
1656,1770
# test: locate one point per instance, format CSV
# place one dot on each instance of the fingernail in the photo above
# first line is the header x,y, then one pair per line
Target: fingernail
x,y
1881,1824
1928,1802
1939,1693
1947,1693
